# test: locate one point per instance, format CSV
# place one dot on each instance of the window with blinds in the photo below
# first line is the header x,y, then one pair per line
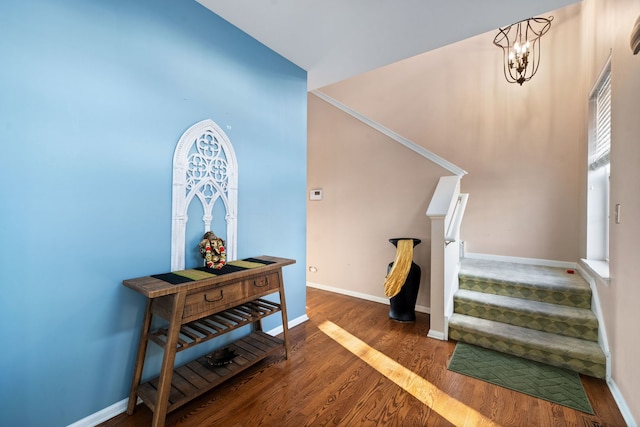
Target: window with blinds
x,y
601,143
599,168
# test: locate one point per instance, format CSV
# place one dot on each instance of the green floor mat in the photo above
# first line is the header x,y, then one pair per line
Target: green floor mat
x,y
536,379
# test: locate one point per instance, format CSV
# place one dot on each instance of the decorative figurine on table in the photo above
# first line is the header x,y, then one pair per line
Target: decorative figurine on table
x,y
212,250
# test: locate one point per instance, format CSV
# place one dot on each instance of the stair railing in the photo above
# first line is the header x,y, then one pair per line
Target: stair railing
x,y
445,211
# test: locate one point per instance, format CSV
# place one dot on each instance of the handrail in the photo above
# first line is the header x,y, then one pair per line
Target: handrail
x,y
453,231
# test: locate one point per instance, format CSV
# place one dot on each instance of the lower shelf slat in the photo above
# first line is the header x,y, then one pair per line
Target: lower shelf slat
x,y
210,327
197,377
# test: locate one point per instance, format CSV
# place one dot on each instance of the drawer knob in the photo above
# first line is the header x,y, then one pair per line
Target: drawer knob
x,y
206,298
261,283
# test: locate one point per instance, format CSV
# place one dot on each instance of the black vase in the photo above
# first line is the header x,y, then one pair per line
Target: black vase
x,y
403,305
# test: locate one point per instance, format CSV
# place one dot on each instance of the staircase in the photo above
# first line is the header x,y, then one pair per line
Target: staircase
x,y
538,313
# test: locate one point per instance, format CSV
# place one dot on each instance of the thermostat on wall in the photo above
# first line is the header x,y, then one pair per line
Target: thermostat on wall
x,y
315,194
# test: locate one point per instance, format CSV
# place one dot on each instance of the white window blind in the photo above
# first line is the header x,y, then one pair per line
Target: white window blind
x,y
601,144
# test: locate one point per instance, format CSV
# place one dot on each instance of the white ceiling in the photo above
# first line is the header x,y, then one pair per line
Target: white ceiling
x,y
336,39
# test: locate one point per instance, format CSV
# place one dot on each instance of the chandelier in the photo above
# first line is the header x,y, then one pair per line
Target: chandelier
x,y
635,37
520,43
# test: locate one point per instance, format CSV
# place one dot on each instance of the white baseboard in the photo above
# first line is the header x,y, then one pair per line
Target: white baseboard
x,y
103,415
622,404
295,322
121,406
419,308
436,335
519,260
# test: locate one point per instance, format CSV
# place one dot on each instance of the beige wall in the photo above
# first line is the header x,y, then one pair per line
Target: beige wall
x,y
522,145
524,148
373,189
607,29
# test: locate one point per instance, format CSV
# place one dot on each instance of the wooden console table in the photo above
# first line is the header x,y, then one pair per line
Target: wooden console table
x,y
199,307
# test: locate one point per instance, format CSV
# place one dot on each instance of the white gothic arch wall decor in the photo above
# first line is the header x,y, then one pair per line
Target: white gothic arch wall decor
x,y
204,167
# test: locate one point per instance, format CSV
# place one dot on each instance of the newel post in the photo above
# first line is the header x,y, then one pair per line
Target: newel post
x,y
440,212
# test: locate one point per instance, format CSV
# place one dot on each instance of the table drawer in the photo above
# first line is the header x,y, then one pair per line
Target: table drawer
x,y
258,285
209,299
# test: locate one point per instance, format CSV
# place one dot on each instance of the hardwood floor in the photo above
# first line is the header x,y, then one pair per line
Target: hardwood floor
x,y
398,378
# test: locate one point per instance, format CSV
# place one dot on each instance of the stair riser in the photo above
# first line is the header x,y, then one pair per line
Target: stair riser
x,y
581,299
556,325
520,349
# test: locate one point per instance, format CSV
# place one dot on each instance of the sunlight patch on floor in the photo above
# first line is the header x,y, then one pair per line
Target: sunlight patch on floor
x,y
447,407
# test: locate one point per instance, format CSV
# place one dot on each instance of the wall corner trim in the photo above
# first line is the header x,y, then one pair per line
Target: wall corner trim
x,y
393,135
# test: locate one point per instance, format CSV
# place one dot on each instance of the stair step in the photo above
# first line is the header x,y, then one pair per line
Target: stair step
x,y
575,354
558,319
546,284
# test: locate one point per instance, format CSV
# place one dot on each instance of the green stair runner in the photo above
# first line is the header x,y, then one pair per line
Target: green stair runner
x,y
541,316
540,313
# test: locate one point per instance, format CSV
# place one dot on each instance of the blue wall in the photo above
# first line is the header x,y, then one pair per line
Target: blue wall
x,y
94,96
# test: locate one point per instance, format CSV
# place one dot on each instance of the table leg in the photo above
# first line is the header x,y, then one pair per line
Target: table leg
x,y
142,350
168,359
285,321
